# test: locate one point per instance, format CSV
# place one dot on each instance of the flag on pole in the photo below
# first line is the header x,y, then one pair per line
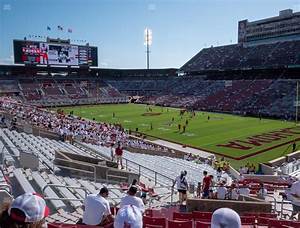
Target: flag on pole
x,y
48,28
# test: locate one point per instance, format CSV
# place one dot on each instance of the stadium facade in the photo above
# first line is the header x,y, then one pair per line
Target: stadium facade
x,y
285,26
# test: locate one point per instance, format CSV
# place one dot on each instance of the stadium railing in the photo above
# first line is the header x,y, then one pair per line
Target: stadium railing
x,y
140,167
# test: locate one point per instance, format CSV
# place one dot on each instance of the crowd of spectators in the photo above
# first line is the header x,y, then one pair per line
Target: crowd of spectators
x,y
245,57
70,127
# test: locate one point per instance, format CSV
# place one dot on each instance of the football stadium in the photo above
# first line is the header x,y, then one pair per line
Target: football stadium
x,y
93,136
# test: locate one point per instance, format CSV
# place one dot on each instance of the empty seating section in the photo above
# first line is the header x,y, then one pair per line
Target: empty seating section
x,y
22,180
165,173
40,181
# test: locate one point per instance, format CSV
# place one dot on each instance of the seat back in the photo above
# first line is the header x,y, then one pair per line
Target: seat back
x,y
263,221
201,224
186,216
159,222
180,224
203,216
248,220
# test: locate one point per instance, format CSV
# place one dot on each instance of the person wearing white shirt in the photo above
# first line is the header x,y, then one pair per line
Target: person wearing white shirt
x,y
131,199
244,190
221,191
182,186
235,192
129,216
97,209
263,192
295,193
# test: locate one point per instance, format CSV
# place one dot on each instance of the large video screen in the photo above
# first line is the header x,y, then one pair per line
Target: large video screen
x,y
34,52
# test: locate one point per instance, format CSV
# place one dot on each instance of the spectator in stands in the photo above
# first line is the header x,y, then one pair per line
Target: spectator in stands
x,y
234,192
252,169
131,199
219,173
241,170
212,188
182,186
205,185
199,189
97,209
119,155
28,210
295,193
263,192
244,190
112,152
225,218
221,191
129,216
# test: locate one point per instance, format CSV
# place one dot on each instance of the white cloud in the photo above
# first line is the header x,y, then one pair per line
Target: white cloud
x,y
6,7
151,7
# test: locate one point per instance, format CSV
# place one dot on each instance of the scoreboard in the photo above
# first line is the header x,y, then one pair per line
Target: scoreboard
x,y
43,53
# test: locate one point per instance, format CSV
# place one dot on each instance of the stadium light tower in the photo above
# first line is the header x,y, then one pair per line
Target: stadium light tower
x,y
147,42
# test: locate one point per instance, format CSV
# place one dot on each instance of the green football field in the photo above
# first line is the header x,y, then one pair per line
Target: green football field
x,y
240,139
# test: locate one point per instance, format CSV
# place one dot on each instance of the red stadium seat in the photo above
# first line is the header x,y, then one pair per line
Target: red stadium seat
x,y
143,186
149,212
200,224
268,215
203,216
152,193
248,220
124,186
180,224
258,214
263,221
152,221
56,225
275,223
185,216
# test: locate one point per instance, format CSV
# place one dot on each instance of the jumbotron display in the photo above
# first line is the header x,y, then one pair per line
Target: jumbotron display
x,y
36,52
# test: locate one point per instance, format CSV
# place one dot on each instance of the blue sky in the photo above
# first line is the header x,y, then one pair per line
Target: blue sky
x,y
181,28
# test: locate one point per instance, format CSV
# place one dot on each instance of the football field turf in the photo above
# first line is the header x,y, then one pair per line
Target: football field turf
x,y
240,139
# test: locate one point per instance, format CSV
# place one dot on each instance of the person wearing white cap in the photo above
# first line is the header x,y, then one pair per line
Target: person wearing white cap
x,y
129,216
28,210
225,218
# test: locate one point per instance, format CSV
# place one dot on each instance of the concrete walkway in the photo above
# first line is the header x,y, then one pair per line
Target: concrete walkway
x,y
179,147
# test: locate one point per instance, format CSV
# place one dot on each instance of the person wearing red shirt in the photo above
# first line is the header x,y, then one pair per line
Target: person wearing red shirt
x,y
205,185
119,154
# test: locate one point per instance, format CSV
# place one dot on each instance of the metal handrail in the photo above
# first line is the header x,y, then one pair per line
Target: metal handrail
x,y
141,166
5,186
109,188
284,209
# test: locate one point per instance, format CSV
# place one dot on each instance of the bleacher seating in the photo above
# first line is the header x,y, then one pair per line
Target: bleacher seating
x,y
166,174
239,56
